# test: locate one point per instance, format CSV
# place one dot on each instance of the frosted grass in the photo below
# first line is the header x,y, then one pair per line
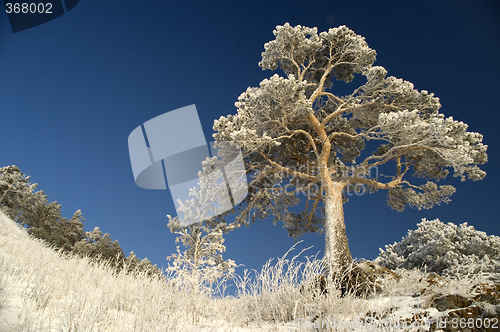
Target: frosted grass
x,y
44,290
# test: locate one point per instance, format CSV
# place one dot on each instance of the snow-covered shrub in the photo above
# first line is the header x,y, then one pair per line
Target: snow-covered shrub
x,y
201,264
446,249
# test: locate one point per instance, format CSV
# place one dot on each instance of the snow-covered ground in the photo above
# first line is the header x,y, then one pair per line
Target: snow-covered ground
x,y
42,290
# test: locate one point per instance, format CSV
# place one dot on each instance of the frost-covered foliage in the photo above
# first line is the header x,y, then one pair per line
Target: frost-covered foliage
x,y
18,198
132,264
301,137
100,247
30,208
201,226
97,244
201,264
446,249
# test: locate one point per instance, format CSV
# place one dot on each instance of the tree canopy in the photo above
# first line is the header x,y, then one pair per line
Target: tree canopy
x,y
299,136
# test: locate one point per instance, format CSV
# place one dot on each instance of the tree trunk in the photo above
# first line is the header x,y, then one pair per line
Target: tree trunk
x,y
337,254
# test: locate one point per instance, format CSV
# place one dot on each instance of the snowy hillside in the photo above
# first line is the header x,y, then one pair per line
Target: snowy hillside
x,y
41,290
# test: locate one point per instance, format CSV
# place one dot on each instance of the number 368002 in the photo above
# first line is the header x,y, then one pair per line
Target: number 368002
x,y
29,8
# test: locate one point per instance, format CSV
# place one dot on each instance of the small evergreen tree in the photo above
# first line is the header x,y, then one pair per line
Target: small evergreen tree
x,y
18,198
99,245
202,227
73,231
133,264
201,264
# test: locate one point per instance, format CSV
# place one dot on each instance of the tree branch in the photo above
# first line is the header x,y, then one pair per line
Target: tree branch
x,y
289,171
391,152
315,205
341,110
295,62
301,131
373,183
301,77
340,133
331,95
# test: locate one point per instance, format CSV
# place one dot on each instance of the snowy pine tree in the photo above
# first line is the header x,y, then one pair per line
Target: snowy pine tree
x,y
99,245
202,226
18,198
132,264
201,263
47,223
301,137
73,231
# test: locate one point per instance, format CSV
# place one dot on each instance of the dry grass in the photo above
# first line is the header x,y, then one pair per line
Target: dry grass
x,y
42,290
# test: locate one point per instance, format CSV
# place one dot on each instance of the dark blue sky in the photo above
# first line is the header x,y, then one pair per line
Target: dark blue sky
x,y
73,89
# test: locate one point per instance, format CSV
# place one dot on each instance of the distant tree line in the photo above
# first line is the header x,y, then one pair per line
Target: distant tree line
x,y
42,219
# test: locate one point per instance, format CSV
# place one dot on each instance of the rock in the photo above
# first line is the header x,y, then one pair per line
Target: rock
x,y
450,302
466,315
470,319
